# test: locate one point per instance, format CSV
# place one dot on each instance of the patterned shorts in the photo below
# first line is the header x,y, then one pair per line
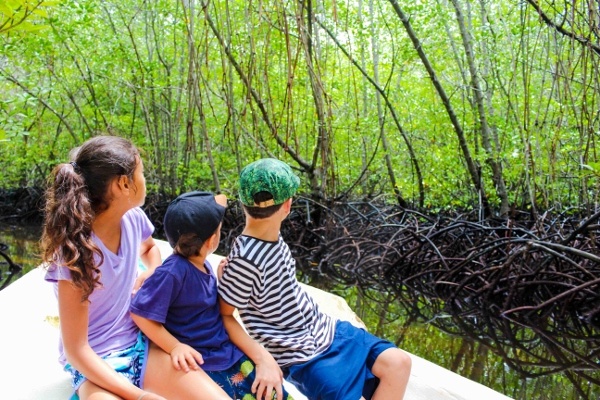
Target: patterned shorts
x,y
237,380
128,362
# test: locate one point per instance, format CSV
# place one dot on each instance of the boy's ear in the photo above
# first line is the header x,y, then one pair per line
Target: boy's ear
x,y
210,241
287,205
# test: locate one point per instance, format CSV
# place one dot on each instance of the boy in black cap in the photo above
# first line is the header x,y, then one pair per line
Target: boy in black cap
x,y
178,310
324,358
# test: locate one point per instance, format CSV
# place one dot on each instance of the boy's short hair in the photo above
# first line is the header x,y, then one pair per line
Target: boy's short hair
x,y
262,212
193,214
266,183
188,245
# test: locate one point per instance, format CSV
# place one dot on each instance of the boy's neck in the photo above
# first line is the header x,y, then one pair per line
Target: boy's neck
x,y
266,229
198,262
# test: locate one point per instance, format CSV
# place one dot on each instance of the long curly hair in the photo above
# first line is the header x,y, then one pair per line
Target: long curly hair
x,y
77,192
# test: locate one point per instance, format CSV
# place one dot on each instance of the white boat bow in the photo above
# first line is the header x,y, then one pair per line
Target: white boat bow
x,y
29,368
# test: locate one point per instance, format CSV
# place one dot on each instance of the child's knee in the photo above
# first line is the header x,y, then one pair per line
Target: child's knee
x,y
392,362
405,360
401,360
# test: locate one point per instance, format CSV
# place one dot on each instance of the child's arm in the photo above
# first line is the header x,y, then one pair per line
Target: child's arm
x,y
183,356
268,374
150,256
74,318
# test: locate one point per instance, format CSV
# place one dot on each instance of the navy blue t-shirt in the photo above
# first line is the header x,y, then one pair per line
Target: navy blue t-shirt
x,y
184,299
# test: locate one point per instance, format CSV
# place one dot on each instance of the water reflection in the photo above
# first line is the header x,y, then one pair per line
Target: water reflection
x,y
21,246
11,270
464,356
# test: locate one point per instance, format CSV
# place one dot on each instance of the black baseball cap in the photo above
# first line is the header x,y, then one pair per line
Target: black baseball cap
x,y
194,212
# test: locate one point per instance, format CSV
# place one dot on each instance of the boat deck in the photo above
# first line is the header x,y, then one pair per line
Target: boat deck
x,y
29,369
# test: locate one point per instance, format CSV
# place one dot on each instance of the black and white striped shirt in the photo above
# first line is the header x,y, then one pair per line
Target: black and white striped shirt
x,y
260,281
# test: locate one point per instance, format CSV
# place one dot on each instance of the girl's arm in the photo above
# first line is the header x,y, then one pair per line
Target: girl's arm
x,y
150,256
268,374
183,356
73,316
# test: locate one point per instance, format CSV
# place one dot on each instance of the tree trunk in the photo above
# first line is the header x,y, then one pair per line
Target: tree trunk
x,y
472,167
401,201
492,156
195,97
321,162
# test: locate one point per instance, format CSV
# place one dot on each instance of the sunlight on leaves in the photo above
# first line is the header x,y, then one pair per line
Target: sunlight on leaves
x,y
23,15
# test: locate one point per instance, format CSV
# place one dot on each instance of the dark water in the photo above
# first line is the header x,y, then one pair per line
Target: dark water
x,y
21,246
465,357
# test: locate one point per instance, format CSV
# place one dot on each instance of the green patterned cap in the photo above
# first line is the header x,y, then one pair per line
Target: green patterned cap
x,y
267,175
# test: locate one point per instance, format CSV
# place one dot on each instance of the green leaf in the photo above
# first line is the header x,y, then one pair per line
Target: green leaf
x,y
41,12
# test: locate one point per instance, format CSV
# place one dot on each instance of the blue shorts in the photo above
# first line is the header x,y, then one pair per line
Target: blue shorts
x,y
237,380
128,362
343,371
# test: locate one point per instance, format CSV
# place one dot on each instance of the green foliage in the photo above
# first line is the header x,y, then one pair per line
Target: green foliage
x,y
236,78
24,16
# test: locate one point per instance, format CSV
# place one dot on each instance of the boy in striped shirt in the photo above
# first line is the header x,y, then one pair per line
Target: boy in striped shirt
x,y
324,358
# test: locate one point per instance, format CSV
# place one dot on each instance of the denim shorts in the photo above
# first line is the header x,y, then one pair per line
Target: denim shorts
x,y
343,371
128,362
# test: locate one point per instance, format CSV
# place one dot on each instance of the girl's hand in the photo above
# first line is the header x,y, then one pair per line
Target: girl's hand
x,y
185,357
221,267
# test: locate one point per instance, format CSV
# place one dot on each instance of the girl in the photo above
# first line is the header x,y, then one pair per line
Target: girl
x,y
94,233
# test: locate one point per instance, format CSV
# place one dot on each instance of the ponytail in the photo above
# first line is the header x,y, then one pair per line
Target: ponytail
x,y
76,193
67,235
